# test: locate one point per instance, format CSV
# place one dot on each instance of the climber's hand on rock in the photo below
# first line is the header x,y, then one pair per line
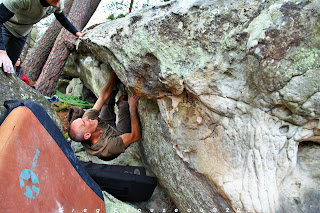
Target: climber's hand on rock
x,y
133,102
80,35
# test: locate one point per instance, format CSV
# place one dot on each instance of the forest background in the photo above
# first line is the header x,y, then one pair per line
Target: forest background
x,y
46,53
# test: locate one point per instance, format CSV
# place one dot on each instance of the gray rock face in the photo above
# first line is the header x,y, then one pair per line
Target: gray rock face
x,y
94,74
235,88
13,88
75,87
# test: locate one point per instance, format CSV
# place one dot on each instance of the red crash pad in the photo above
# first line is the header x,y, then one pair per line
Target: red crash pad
x,y
35,174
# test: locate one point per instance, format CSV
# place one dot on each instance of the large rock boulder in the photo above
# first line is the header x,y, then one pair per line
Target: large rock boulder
x,y
12,87
70,70
233,88
94,74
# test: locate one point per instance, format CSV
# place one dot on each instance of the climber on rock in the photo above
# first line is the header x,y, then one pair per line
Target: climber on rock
x,y
97,130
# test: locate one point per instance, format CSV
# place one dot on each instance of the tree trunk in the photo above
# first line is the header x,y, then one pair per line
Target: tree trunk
x,y
25,50
131,5
37,56
79,15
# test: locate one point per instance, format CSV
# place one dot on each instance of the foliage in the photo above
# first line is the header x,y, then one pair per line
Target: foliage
x,y
73,100
122,6
66,135
112,17
121,15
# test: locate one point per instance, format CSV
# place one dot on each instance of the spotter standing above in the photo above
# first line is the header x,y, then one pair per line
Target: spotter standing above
x,y
16,20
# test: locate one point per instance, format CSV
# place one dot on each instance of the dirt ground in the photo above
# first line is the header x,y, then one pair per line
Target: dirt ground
x,y
63,118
